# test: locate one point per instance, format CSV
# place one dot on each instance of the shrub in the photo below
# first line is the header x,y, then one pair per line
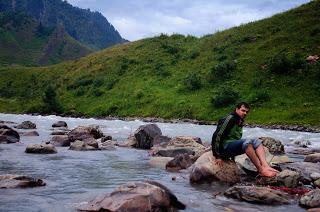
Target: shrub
x,y
192,82
222,70
282,63
160,70
259,97
225,97
51,103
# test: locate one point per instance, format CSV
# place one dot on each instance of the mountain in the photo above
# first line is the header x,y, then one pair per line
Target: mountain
x,y
266,63
25,41
90,28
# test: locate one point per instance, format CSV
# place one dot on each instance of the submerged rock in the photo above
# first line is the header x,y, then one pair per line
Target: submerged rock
x,y
136,196
253,194
84,133
30,133
19,181
26,125
60,124
205,169
160,162
41,149
310,199
274,146
181,161
81,146
8,135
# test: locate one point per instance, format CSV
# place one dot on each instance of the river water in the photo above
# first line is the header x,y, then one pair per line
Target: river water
x,y
73,178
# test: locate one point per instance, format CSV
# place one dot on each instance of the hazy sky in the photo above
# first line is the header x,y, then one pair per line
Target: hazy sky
x,y
136,19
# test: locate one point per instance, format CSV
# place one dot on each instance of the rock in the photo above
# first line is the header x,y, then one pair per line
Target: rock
x,y
303,144
41,149
313,210
136,196
59,133
60,140
160,162
145,134
26,125
81,146
205,169
285,178
304,168
19,181
188,142
317,183
107,145
274,146
8,135
106,138
174,152
310,199
161,140
30,133
60,124
84,133
253,194
315,175
313,158
302,151
182,161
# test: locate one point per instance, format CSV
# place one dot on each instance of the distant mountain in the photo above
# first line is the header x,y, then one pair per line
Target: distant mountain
x,y
25,41
89,28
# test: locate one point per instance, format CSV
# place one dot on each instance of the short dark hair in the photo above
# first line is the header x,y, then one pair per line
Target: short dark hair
x,y
244,104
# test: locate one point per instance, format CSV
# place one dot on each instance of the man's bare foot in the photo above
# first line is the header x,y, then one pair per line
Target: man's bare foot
x,y
271,169
265,172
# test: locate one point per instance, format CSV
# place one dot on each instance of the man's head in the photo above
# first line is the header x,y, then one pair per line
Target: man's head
x,y
242,109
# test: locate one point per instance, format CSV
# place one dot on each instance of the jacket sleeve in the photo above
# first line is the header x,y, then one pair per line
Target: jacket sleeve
x,y
225,129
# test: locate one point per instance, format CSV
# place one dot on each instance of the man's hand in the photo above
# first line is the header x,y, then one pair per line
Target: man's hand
x,y
218,162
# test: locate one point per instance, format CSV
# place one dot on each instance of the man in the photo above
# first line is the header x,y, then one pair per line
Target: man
x,y
227,143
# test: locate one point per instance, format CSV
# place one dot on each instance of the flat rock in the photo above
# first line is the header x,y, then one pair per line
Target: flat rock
x,y
26,125
19,181
41,149
60,124
30,133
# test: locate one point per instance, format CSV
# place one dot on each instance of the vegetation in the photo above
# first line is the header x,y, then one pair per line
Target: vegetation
x,y
178,76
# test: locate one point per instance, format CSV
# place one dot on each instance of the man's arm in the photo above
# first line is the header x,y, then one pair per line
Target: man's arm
x,y
225,129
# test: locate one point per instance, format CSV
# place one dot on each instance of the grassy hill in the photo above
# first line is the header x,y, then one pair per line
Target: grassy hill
x,y
178,76
25,41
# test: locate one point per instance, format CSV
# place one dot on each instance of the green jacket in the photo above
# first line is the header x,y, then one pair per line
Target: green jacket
x,y
228,129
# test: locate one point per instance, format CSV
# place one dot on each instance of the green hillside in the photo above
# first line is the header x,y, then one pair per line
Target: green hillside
x,y
180,76
24,41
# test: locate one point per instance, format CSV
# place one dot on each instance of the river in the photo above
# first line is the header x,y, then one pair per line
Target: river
x,y
73,178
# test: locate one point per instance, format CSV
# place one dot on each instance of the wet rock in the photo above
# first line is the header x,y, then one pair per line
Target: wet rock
x,y
313,210
181,161
174,152
81,146
136,196
317,183
303,144
304,168
274,146
8,135
60,133
253,194
205,169
161,140
310,199
60,124
30,133
41,149
145,134
160,162
106,138
19,181
26,125
285,178
107,145
315,175
188,142
60,140
84,133
313,158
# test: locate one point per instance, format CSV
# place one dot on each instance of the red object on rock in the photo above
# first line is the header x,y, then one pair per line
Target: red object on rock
x,y
299,191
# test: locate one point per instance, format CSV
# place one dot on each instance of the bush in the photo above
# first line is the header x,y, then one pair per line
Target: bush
x,y
259,97
225,97
192,82
51,103
282,63
222,70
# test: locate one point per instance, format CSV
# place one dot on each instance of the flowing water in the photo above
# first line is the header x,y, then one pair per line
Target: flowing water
x,y
73,178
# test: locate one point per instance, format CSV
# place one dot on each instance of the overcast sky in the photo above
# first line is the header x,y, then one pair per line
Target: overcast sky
x,y
137,19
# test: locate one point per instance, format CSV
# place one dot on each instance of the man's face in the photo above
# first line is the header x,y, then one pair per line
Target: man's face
x,y
242,111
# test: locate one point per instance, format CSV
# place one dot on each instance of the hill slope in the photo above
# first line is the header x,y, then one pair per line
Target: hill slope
x,y
90,28
175,76
25,41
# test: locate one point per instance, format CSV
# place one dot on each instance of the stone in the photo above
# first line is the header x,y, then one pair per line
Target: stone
x,y
81,146
106,138
310,199
145,134
26,125
160,162
254,194
30,133
174,152
317,183
8,135
285,178
41,149
182,161
19,181
313,158
161,140
60,124
315,175
274,146
136,196
83,133
313,210
303,144
60,140
191,142
304,168
205,169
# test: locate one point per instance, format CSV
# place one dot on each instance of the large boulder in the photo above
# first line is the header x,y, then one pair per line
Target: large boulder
x,y
205,169
310,199
194,143
254,194
60,124
41,149
136,196
18,181
145,134
60,140
313,158
182,161
8,135
304,168
26,125
85,133
274,146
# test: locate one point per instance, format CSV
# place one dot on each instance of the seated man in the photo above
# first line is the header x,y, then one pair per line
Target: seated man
x,y
227,143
